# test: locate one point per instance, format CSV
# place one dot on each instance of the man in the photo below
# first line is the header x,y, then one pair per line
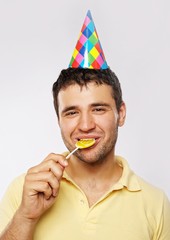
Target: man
x,y
93,194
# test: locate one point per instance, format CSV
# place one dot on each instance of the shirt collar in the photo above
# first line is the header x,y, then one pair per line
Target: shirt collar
x,y
128,179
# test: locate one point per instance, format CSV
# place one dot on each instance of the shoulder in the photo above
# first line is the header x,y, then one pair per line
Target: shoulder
x,y
14,190
11,200
18,181
149,194
153,196
149,189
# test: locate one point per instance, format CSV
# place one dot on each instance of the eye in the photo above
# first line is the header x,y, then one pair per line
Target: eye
x,y
71,113
99,110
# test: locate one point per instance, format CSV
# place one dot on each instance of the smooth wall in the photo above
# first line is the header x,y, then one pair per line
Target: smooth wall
x,y
37,39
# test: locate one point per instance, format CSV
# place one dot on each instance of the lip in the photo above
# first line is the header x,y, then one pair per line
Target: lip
x,y
86,137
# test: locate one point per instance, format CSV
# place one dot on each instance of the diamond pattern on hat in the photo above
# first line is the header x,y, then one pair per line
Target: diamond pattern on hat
x,y
88,52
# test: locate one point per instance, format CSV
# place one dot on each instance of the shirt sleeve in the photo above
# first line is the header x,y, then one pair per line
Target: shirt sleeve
x,y
11,201
163,232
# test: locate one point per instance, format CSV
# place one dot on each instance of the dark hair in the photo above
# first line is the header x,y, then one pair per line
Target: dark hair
x,y
83,76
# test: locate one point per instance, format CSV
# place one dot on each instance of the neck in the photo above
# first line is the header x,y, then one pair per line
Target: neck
x,y
94,180
106,170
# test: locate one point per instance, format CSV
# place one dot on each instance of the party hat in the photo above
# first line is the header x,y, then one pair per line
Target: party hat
x,y
88,52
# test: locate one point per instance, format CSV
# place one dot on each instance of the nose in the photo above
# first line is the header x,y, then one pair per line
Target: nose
x,y
86,122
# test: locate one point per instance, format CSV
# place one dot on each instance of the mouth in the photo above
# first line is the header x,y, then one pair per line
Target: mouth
x,y
87,145
87,138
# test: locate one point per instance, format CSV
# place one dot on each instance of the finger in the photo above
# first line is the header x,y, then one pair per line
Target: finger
x,y
37,187
48,165
48,177
57,158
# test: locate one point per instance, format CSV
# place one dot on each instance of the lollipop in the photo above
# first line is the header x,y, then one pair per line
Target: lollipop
x,y
81,144
85,143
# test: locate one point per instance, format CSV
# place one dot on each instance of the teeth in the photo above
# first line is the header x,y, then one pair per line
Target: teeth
x,y
86,139
79,139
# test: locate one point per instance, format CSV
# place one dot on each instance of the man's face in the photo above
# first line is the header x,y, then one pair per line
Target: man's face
x,y
90,112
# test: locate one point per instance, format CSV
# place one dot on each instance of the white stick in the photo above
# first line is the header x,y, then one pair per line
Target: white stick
x,y
72,152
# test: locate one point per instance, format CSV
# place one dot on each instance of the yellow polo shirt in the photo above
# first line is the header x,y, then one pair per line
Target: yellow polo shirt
x,y
131,210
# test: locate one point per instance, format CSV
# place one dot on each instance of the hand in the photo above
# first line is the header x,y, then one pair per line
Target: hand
x,y
41,186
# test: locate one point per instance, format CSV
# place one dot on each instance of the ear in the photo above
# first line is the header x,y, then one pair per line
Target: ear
x,y
122,115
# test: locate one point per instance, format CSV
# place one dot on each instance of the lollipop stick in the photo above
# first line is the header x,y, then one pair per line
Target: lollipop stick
x,y
67,157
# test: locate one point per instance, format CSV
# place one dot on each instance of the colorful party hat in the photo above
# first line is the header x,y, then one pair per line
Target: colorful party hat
x,y
88,52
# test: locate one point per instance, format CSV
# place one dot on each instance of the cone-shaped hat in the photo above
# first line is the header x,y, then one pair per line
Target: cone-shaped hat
x,y
88,52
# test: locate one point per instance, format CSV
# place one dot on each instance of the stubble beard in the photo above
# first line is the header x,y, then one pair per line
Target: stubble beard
x,y
97,157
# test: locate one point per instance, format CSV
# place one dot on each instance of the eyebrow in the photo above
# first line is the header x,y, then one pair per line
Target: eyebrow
x,y
102,104
97,104
66,109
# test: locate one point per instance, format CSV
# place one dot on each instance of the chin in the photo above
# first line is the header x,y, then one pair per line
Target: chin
x,y
90,158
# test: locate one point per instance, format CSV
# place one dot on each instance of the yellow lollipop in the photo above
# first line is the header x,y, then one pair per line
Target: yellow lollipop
x,y
82,143
85,143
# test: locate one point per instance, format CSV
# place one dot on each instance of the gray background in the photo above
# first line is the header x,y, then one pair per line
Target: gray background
x,y
37,39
